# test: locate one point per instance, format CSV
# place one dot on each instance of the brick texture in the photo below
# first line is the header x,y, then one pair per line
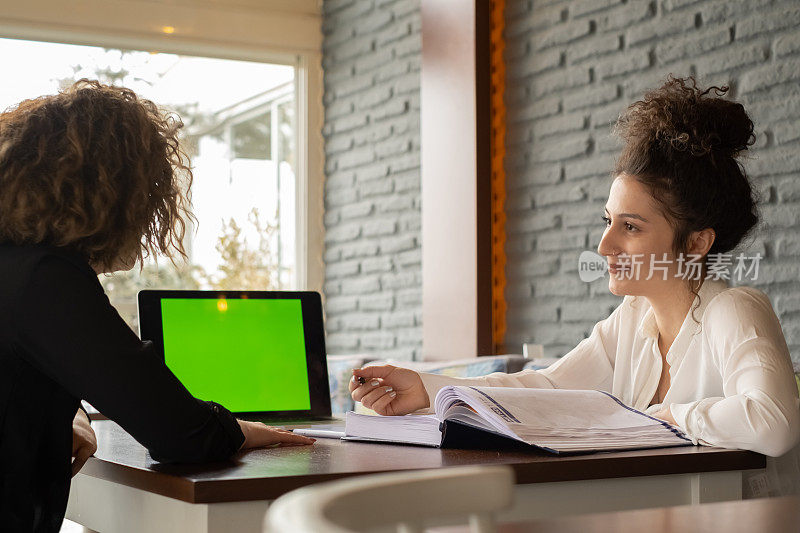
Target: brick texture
x,y
572,67
371,56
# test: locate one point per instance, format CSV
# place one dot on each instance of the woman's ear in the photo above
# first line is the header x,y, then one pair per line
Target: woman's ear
x,y
700,241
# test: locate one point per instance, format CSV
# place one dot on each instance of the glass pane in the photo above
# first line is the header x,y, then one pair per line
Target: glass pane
x,y
252,138
286,131
243,193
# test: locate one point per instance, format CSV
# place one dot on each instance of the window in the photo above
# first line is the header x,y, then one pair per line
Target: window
x,y
241,133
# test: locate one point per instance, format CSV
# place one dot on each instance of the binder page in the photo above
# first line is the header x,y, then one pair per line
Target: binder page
x,y
563,420
454,400
464,413
413,429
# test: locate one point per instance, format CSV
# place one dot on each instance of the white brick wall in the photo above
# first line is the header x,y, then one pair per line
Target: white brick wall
x,y
371,58
573,66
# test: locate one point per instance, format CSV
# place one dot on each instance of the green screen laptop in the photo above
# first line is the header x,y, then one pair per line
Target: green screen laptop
x,y
261,354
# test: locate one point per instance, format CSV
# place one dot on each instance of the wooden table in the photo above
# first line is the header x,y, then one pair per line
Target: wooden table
x,y
765,515
122,489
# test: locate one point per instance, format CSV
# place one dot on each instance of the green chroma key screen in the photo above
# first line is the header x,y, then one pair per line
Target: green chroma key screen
x,y
248,355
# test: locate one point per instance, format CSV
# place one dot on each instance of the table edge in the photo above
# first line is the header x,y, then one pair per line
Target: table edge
x,y
571,468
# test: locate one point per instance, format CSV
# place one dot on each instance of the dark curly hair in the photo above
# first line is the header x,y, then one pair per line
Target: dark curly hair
x,y
94,169
682,142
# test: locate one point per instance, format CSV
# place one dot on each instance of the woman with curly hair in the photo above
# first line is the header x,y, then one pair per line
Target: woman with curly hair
x,y
92,180
687,349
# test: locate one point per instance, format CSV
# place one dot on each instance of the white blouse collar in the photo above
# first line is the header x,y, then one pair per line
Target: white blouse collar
x,y
691,323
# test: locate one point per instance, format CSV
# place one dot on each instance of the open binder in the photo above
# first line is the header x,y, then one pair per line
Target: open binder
x,y
552,420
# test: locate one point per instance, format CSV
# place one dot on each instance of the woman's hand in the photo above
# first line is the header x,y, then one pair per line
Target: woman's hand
x,y
389,390
258,435
84,441
666,415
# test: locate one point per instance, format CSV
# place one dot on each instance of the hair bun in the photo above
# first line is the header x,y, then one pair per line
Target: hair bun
x,y
682,117
734,129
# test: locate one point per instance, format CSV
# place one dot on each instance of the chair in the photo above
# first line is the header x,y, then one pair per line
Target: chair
x,y
406,500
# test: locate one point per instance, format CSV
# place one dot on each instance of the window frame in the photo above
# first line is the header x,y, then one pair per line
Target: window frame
x,y
284,32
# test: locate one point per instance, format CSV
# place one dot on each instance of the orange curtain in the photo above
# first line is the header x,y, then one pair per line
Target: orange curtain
x,y
498,175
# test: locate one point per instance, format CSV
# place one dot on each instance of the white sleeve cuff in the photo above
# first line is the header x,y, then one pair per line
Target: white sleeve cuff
x,y
680,412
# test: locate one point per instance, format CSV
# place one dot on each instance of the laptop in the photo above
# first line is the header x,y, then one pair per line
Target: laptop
x,y
261,354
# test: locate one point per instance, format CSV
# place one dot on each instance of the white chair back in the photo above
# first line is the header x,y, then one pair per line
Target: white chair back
x,y
407,500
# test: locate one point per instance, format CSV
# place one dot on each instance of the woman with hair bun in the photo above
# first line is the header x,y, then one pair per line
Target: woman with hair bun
x,y
687,349
91,180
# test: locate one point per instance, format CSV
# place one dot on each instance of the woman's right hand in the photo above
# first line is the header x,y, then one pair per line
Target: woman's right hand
x,y
389,390
258,435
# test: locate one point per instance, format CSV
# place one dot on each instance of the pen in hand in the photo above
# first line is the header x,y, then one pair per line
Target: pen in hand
x,y
388,390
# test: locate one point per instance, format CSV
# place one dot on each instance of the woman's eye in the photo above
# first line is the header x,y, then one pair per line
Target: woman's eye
x,y
630,227
606,220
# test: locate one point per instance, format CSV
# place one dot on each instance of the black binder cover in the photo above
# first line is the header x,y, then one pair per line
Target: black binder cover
x,y
464,436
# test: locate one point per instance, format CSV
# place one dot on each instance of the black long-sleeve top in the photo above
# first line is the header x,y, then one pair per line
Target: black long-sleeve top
x,y
61,341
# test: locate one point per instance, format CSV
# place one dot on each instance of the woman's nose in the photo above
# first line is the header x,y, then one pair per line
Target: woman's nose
x,y
607,246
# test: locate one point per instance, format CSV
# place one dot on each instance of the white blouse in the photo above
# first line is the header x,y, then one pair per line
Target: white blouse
x,y
731,377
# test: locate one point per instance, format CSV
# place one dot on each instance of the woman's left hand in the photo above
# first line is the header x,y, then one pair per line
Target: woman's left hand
x,y
84,441
666,415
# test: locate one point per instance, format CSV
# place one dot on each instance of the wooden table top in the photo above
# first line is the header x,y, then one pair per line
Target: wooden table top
x,y
765,515
267,473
